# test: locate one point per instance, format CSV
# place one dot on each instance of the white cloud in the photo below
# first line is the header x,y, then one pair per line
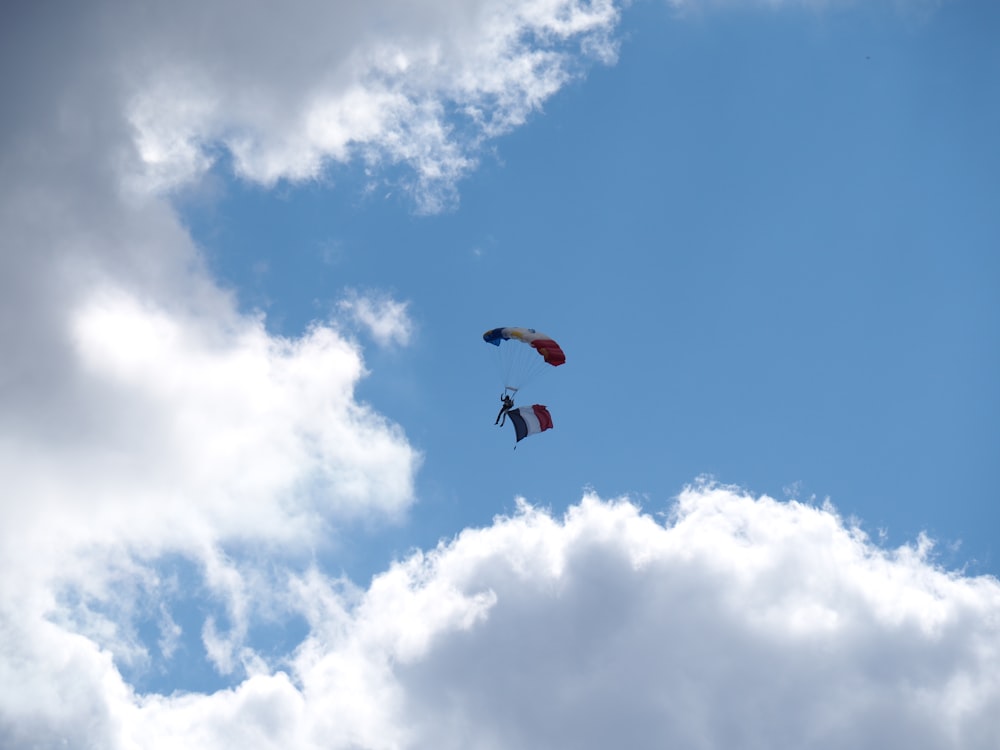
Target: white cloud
x,y
191,435
141,415
205,429
288,89
386,319
739,622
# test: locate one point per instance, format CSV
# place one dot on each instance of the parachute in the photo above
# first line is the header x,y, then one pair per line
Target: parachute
x,y
523,353
529,420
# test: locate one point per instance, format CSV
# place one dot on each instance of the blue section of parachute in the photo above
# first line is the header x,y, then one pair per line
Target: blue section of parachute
x,y
493,337
496,335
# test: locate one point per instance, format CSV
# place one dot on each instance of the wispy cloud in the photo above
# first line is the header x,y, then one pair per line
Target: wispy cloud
x,y
286,92
386,319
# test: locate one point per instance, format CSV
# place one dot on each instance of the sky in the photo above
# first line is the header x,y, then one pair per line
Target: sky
x,y
252,496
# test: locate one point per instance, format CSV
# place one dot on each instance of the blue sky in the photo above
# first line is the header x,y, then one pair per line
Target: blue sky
x,y
765,238
254,490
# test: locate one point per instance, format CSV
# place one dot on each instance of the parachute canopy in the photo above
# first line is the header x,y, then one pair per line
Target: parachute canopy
x,y
529,420
544,345
522,354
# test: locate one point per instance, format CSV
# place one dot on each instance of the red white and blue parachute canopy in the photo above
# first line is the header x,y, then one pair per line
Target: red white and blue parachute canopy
x,y
551,352
529,420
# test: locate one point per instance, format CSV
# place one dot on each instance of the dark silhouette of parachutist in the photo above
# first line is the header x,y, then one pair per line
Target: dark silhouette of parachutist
x,y
508,404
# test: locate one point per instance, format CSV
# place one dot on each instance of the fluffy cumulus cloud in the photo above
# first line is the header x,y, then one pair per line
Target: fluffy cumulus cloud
x,y
733,621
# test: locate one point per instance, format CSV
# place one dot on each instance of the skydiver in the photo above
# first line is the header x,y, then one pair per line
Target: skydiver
x,y
508,404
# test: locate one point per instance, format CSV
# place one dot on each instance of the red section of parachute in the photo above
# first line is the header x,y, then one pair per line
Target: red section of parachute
x,y
550,351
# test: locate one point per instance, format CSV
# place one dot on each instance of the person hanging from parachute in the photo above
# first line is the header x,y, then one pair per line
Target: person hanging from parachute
x,y
508,404
519,364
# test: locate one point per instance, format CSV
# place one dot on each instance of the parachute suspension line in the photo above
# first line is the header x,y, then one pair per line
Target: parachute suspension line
x,y
518,364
